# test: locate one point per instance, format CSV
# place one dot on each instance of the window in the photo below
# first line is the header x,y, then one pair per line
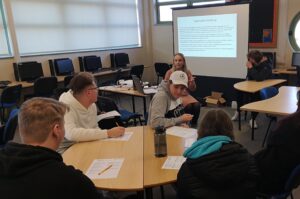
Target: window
x,y
51,26
5,50
294,33
164,7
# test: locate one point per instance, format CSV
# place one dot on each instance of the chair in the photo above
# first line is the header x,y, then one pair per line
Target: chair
x,y
44,87
9,98
292,182
8,131
267,93
67,80
161,70
137,70
107,104
271,58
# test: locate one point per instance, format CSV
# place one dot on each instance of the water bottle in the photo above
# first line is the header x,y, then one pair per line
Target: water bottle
x,y
160,142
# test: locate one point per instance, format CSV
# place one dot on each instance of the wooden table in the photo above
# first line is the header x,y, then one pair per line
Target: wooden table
x,y
253,87
126,91
140,169
284,103
284,71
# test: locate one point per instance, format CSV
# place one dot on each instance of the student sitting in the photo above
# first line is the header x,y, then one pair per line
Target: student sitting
x,y
81,121
166,108
216,166
281,155
259,69
191,105
33,169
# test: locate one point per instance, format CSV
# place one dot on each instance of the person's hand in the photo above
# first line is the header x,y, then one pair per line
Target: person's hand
x,y
186,117
184,125
249,64
115,132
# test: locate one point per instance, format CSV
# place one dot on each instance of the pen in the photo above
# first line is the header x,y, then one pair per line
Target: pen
x,y
117,124
109,166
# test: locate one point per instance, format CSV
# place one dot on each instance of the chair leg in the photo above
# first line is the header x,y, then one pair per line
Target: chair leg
x,y
266,135
245,115
239,111
292,197
162,192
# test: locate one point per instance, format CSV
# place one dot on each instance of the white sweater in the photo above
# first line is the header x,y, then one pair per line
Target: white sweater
x,y
80,123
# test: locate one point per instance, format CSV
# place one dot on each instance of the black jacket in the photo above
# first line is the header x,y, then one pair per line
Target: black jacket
x,y
260,72
281,155
226,174
33,172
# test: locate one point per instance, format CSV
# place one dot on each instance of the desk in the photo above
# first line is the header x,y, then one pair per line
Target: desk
x,y
126,91
284,71
253,87
284,103
140,169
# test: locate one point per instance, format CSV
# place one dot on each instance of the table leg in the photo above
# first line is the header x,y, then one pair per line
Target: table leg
x,y
252,136
149,193
133,103
145,108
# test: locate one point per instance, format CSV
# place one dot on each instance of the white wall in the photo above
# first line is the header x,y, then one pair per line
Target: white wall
x,y
163,39
141,55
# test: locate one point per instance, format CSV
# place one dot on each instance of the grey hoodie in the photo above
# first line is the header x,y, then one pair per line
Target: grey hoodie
x,y
161,103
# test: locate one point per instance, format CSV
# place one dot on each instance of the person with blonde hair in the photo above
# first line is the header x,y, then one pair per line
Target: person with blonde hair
x,y
81,121
34,169
191,105
216,166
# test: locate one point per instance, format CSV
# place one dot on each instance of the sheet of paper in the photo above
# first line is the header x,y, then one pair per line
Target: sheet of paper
x,y
189,141
150,90
105,168
173,162
107,115
182,132
125,137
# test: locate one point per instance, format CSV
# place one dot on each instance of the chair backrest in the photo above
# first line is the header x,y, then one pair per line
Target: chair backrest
x,y
106,104
67,80
11,94
137,70
45,86
268,92
161,69
298,75
10,126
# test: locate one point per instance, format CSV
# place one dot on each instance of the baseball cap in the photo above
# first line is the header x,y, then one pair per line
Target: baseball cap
x,y
179,78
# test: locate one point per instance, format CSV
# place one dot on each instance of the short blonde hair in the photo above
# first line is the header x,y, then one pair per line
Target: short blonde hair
x,y
37,117
216,122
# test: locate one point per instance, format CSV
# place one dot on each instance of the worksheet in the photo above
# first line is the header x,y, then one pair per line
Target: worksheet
x,y
173,162
105,168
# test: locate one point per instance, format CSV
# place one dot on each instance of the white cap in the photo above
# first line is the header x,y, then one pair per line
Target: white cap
x,y
179,78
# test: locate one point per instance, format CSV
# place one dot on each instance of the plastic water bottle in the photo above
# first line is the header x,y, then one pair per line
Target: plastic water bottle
x,y
160,142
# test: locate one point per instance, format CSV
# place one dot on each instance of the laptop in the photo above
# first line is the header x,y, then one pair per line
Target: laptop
x,y
138,85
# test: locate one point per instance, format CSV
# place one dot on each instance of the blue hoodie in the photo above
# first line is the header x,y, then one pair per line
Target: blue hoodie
x,y
206,145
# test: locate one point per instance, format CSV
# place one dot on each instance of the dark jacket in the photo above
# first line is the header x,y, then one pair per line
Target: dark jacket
x,y
260,72
33,172
281,155
229,173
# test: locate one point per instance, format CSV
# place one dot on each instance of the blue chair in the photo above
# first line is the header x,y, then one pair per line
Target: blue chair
x,y
9,98
292,182
267,93
107,104
8,131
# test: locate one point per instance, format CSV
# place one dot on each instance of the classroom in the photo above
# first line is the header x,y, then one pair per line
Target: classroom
x,y
129,90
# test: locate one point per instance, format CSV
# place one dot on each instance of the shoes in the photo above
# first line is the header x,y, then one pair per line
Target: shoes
x,y
235,116
255,125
